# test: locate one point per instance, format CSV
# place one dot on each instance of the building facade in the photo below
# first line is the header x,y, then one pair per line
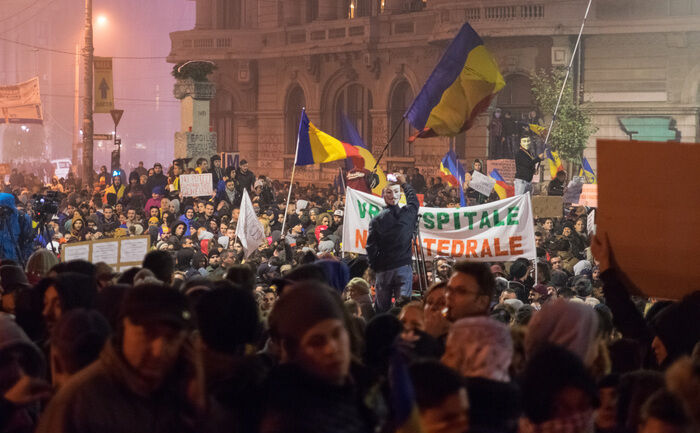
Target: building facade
x,y
638,68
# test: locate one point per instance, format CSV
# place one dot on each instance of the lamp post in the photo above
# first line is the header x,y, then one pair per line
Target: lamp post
x,y
88,124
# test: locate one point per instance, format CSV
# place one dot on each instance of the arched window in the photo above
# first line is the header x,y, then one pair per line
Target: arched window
x,y
222,119
296,100
355,102
401,98
516,96
229,15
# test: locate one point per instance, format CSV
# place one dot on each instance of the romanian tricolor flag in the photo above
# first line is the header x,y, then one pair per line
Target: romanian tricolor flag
x,y
406,418
364,159
461,86
537,129
452,171
587,172
555,165
502,188
315,146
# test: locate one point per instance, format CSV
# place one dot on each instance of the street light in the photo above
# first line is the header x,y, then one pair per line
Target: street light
x,y
102,20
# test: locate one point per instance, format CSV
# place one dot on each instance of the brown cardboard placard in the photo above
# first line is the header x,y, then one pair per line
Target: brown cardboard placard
x,y
652,221
544,206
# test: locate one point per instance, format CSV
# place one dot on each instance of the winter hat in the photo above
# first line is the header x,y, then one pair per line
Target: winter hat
x,y
75,290
571,325
338,212
13,337
223,241
678,327
158,190
155,303
12,277
540,289
300,307
337,273
39,264
517,304
227,318
479,347
205,235
184,258
359,285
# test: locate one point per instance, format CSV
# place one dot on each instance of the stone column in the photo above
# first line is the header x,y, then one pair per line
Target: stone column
x,y
204,14
292,12
194,140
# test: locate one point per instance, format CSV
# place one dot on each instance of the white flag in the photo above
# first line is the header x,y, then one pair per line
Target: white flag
x,y
249,229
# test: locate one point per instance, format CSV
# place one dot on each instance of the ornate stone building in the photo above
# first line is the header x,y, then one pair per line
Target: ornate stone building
x,y
639,67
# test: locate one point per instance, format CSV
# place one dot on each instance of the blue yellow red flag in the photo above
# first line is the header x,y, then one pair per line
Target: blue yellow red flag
x,y
555,165
315,146
452,171
364,158
588,172
537,129
501,187
461,86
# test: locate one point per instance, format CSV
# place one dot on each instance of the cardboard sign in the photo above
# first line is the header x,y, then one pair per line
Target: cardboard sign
x,y
481,183
118,253
653,226
502,230
590,223
196,185
229,159
506,168
545,206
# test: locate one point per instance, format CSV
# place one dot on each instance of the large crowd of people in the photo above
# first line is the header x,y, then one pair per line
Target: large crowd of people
x,y
293,338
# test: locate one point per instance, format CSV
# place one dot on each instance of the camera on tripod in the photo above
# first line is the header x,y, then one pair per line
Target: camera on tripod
x,y
45,206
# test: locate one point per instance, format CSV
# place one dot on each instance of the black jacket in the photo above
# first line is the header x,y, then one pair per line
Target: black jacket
x,y
154,181
245,180
525,165
390,234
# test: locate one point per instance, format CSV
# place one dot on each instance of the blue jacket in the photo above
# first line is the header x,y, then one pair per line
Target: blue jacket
x,y
16,232
390,234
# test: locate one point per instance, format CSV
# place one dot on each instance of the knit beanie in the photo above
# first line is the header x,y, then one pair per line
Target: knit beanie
x,y
300,307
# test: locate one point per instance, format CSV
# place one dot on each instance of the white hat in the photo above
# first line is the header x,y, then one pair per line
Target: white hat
x,y
338,213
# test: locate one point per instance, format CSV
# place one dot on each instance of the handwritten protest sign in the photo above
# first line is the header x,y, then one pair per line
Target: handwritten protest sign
x,y
589,195
481,183
547,206
196,185
118,253
502,230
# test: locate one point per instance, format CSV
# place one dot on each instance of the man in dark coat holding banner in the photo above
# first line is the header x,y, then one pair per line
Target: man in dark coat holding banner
x,y
389,244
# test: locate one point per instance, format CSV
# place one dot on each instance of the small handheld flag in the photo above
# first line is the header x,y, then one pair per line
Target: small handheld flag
x,y
452,171
502,188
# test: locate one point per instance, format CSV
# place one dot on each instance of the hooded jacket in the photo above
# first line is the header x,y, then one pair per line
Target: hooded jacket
x,y
678,327
16,233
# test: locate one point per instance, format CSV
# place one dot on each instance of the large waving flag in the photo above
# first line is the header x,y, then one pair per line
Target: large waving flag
x,y
555,165
502,188
587,171
315,146
249,230
461,86
364,159
452,171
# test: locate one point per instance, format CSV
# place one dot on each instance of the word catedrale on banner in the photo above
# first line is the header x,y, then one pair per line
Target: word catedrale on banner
x,y
501,230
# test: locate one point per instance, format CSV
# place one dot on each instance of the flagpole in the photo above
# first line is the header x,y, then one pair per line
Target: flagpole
x,y
393,134
568,71
291,182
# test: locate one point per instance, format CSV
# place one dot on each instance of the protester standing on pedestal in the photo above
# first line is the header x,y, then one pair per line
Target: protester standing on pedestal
x,y
525,164
389,243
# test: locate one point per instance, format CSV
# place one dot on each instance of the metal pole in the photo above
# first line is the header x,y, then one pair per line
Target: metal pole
x,y
77,167
88,52
568,71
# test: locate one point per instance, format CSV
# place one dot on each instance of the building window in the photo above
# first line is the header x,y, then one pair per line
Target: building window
x,y
516,97
359,8
311,11
222,116
296,100
355,102
230,14
401,98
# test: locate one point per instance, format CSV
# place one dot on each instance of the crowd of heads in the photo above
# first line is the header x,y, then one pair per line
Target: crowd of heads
x,y
205,337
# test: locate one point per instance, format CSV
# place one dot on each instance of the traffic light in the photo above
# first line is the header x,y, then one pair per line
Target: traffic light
x,y
115,160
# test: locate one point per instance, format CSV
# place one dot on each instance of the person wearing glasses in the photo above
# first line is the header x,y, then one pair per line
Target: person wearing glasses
x,y
470,291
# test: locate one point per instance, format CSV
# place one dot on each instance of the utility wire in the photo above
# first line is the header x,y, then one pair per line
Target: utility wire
x,y
73,53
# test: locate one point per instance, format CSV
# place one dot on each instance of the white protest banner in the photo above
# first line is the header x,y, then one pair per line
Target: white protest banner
x,y
501,230
249,229
21,103
481,183
196,185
